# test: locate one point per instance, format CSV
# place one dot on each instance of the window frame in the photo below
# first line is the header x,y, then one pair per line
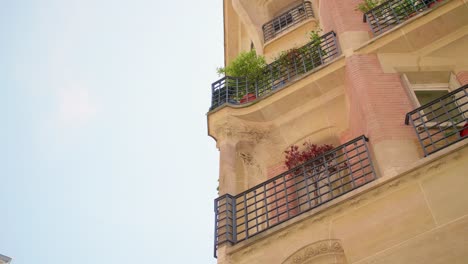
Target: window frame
x,y
449,86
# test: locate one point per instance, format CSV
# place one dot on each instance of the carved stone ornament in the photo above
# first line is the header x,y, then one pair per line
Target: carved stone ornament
x,y
236,130
331,247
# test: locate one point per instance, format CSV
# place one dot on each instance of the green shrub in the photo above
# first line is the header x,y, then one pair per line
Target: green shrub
x,y
246,64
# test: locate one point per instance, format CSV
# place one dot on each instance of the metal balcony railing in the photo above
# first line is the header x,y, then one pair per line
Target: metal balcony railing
x,y
442,122
393,12
287,19
238,90
293,192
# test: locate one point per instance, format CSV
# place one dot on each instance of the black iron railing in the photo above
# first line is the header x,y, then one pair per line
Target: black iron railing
x,y
442,122
293,192
287,19
238,90
393,12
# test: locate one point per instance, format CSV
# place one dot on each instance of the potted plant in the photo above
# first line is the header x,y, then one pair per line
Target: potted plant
x,y
464,132
250,67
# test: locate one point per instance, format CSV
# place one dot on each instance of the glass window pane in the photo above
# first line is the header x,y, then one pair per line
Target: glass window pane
x,y
425,97
438,111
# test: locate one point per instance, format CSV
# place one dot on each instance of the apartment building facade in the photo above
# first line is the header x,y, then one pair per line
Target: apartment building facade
x,y
387,87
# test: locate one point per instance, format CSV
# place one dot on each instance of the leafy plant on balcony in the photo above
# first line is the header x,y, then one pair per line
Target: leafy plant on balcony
x,y
315,45
295,157
248,65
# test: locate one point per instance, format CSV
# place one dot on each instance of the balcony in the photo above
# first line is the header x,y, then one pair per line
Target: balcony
x,y
238,91
442,122
287,19
292,193
394,12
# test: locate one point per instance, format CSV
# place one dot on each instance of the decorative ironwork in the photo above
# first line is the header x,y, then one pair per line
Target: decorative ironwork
x,y
293,192
442,122
287,19
393,12
237,90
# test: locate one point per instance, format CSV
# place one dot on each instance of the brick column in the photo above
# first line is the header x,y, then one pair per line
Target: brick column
x,y
378,105
341,16
462,77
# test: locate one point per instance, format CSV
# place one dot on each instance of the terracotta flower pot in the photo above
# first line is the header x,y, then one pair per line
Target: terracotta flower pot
x,y
248,98
464,132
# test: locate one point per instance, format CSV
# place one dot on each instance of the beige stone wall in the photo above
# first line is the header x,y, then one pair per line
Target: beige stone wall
x,y
419,216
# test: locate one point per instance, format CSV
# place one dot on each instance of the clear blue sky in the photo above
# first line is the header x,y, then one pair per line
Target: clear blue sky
x,y
104,153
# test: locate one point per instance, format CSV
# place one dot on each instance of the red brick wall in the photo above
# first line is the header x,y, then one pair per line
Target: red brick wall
x,y
378,101
327,21
275,170
462,77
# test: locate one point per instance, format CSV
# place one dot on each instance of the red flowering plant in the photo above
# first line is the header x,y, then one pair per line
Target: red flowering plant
x,y
314,168
295,157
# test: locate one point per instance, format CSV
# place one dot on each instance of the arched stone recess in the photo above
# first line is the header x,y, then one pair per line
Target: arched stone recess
x,y
328,251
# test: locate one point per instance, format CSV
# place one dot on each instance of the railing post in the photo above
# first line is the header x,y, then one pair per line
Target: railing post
x,y
246,216
265,201
337,46
237,91
295,66
215,246
319,47
369,22
219,95
227,89
237,86
366,140
417,134
256,89
234,223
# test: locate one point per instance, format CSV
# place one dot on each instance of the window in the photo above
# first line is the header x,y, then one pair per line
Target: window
x,y
440,111
424,88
